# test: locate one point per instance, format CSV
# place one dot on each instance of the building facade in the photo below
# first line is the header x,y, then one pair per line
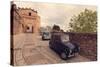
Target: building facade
x,y
25,20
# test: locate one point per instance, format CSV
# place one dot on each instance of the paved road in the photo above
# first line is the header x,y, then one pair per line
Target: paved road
x,y
29,49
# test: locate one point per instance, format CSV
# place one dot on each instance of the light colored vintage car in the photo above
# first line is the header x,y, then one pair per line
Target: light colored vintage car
x,y
46,36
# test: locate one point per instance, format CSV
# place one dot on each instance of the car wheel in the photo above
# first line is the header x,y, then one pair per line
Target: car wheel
x,y
42,38
63,56
50,46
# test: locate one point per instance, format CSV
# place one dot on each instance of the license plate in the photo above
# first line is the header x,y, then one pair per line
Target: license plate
x,y
74,54
71,55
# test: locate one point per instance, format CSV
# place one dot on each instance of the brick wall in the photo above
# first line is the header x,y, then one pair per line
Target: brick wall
x,y
87,43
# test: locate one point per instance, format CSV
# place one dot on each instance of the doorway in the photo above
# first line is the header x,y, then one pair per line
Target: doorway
x,y
29,29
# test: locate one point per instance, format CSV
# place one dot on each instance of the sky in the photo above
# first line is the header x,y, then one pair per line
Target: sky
x,y
55,13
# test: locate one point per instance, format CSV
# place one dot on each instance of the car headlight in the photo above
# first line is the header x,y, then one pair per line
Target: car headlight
x,y
79,48
70,51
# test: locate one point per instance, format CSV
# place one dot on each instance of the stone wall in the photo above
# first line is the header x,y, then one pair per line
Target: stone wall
x,y
87,43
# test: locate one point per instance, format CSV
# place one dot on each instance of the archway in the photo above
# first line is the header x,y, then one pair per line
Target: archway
x,y
29,28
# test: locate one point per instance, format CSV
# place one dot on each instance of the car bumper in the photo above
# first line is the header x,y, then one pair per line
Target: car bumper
x,y
72,54
46,38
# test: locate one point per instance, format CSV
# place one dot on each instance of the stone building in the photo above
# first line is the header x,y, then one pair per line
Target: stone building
x,y
24,20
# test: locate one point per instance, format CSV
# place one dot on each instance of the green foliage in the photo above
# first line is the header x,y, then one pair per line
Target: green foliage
x,y
84,22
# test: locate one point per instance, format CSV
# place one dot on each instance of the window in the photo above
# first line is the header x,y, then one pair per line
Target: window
x,y
29,13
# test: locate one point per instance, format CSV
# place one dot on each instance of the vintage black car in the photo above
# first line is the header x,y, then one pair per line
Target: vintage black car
x,y
61,44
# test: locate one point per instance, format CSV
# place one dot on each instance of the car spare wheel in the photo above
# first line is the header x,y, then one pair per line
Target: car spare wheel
x,y
63,56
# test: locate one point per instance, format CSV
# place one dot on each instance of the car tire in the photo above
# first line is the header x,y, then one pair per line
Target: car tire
x,y
63,56
50,46
43,38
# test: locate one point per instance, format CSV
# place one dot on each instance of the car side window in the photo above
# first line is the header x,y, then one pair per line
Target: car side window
x,y
65,38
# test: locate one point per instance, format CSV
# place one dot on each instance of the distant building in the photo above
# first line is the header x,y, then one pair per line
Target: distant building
x,y
24,20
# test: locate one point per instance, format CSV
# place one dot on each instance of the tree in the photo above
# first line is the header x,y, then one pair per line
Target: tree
x,y
84,22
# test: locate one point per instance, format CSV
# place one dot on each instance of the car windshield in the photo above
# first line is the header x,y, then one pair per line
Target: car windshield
x,y
64,37
46,33
70,45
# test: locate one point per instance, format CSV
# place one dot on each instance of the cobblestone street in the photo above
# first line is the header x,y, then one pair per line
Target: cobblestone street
x,y
30,49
